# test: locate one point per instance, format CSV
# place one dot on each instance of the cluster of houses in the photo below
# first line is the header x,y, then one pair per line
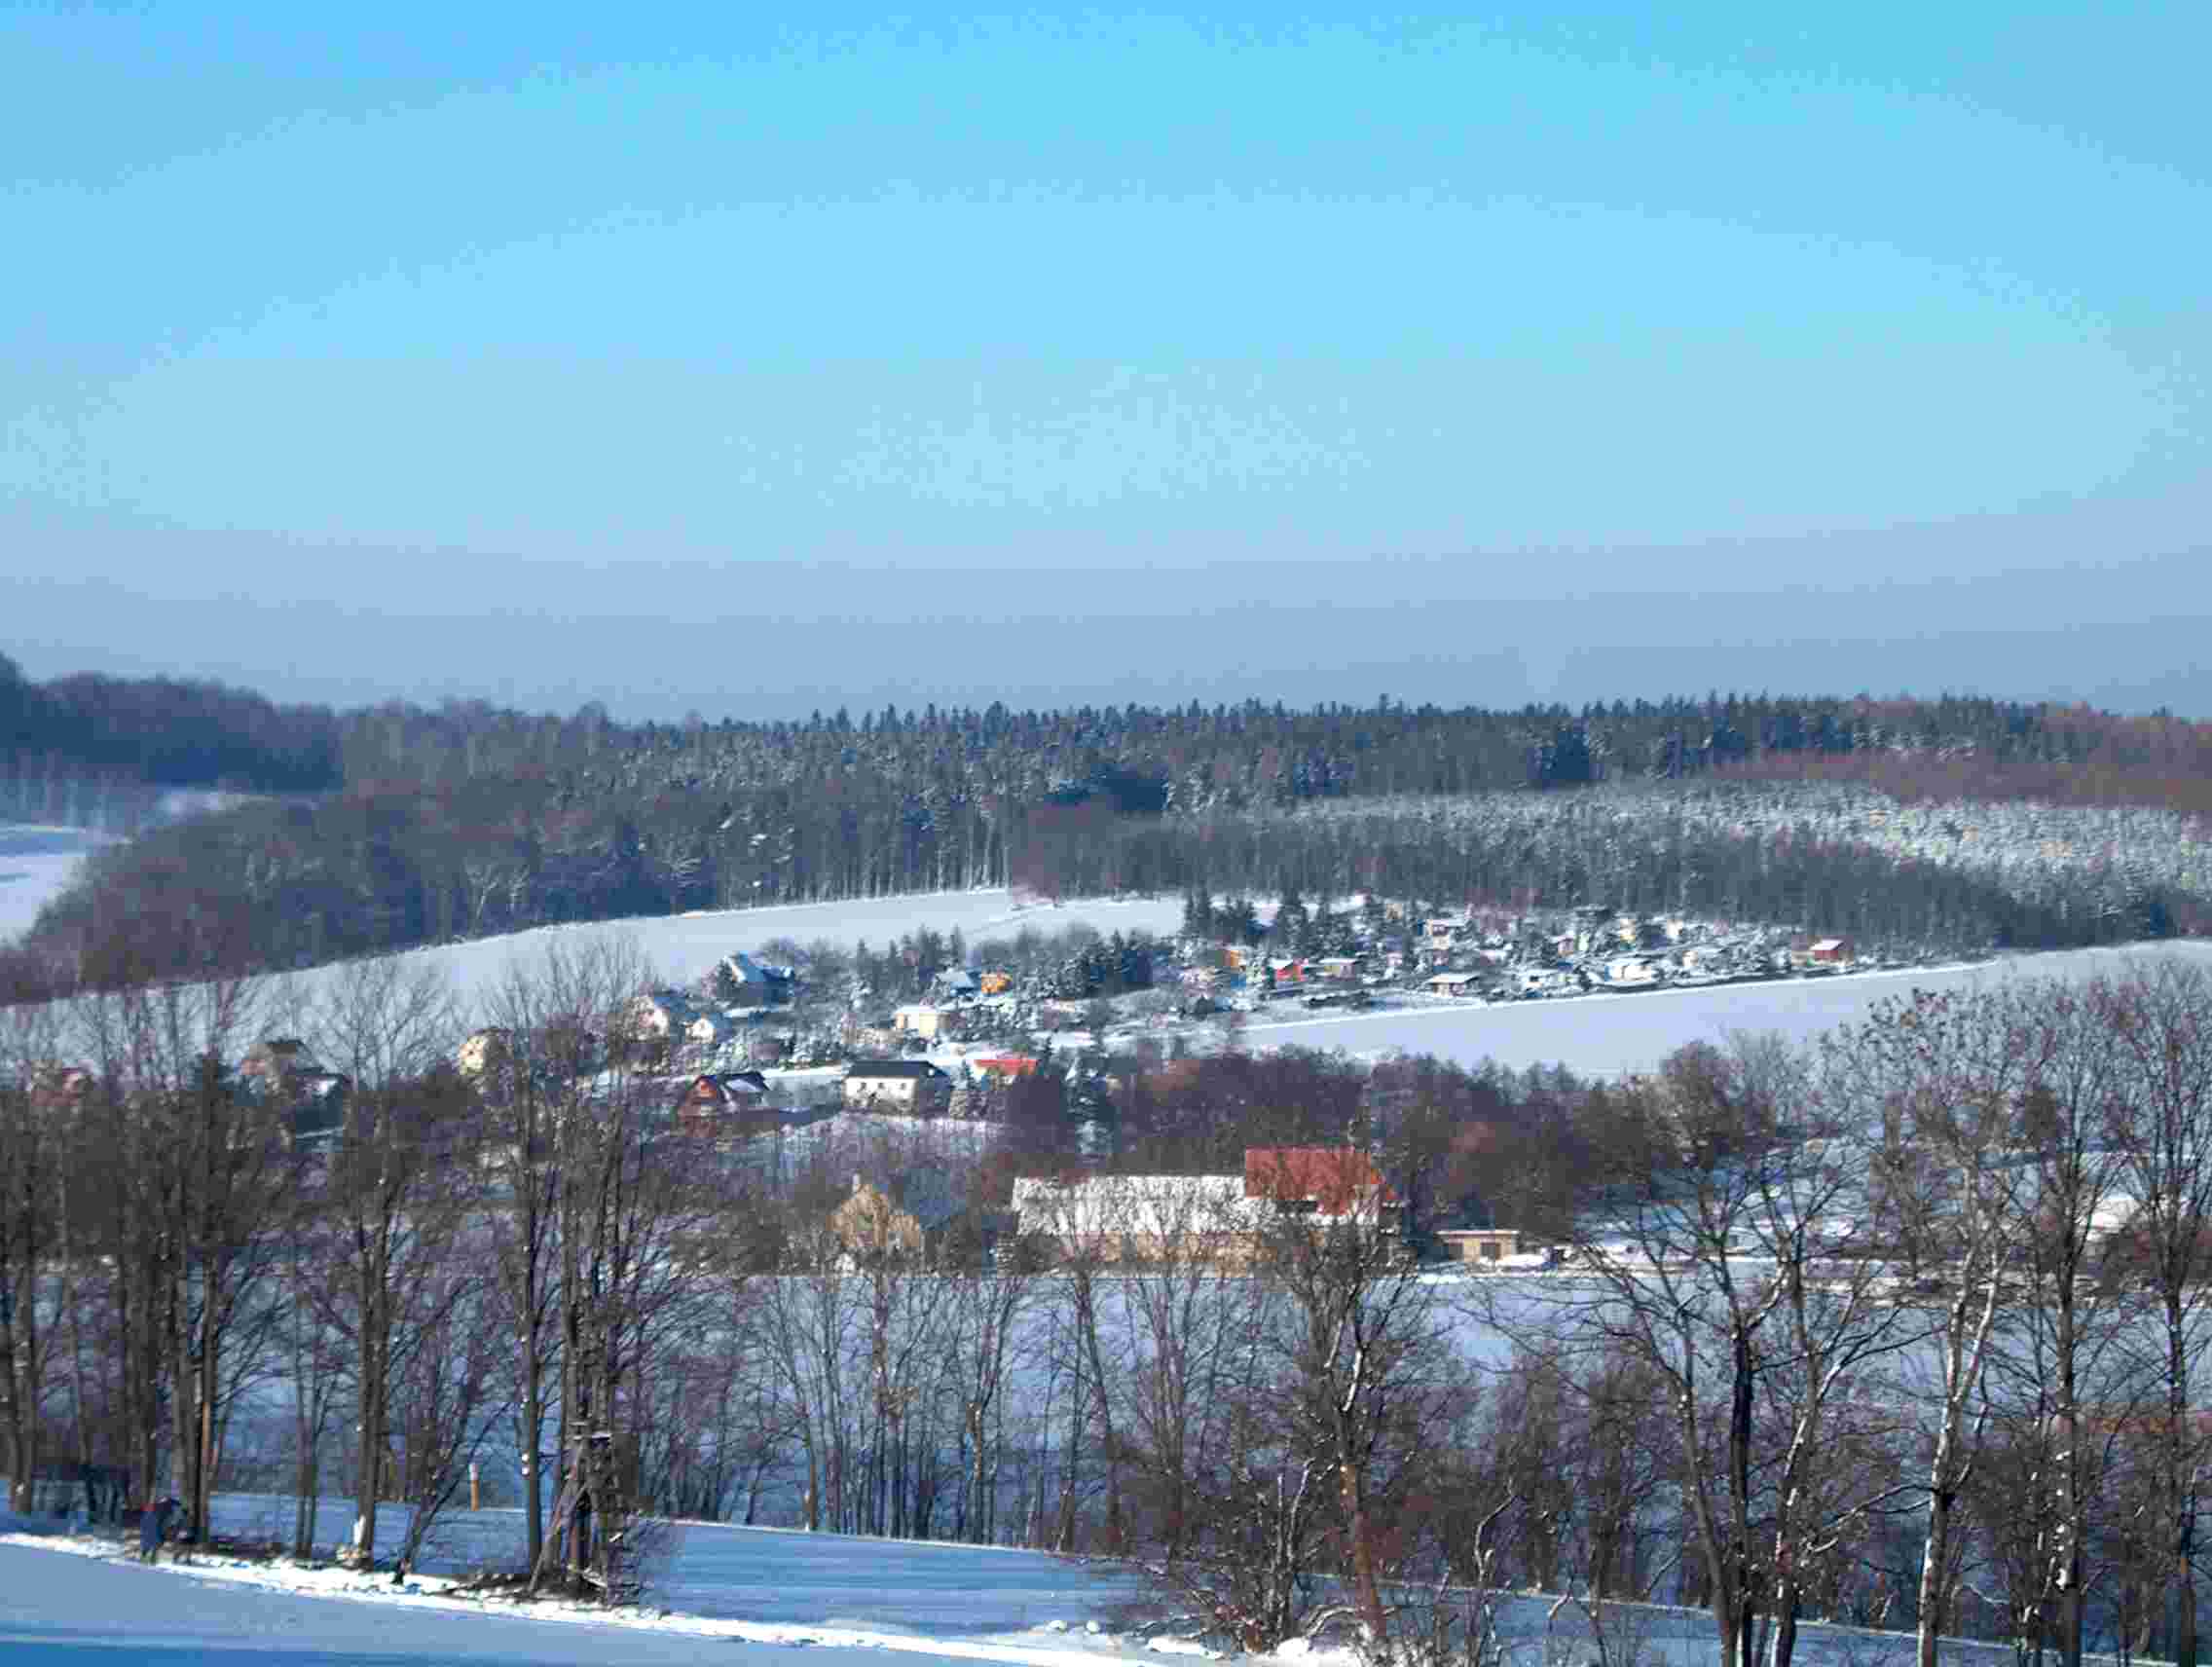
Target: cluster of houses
x,y
1498,957
731,1001
1623,954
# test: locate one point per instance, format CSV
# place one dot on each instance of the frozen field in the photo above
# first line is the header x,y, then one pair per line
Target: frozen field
x,y
1604,1035
682,947
35,863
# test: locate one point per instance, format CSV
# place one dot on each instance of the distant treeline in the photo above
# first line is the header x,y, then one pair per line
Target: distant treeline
x,y
154,733
401,825
172,732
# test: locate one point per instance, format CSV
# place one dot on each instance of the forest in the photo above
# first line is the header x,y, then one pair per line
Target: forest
x,y
389,827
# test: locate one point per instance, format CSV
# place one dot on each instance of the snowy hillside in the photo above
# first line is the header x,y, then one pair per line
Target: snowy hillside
x,y
1607,1035
35,863
682,947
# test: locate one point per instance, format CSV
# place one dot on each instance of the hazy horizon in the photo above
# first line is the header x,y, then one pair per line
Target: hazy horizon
x,y
681,362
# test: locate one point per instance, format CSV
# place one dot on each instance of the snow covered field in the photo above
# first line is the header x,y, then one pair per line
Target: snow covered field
x,y
756,1597
35,863
682,947
1604,1035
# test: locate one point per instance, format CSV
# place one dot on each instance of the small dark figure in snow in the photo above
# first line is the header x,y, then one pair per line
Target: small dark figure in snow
x,y
154,1528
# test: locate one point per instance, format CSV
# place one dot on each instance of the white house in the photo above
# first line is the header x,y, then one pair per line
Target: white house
x,y
897,1085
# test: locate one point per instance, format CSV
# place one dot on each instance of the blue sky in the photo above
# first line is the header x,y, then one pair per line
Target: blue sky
x,y
674,359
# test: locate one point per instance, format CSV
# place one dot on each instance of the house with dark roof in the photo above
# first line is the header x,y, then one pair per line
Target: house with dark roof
x,y
723,1102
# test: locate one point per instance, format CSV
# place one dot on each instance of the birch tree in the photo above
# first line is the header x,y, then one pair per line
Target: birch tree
x,y
1939,1082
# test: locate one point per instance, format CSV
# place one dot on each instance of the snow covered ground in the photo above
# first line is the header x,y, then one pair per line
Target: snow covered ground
x,y
1604,1035
755,1596
767,1595
682,947
35,863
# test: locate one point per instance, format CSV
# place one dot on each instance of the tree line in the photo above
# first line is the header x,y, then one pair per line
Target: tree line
x,y
126,738
289,885
1902,1330
392,825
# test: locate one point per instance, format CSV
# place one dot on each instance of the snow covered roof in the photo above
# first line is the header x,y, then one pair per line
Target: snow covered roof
x,y
746,970
1144,1206
887,1068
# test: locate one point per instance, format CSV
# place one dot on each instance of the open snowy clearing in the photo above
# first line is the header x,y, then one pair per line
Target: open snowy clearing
x,y
756,1596
681,948
767,1593
35,863
61,1609
1604,1035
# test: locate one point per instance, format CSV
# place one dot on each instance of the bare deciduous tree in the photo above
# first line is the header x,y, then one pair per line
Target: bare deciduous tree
x,y
2159,1020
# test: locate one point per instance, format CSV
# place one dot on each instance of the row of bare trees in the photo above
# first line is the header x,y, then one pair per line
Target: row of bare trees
x,y
1959,1247
1903,1330
199,1239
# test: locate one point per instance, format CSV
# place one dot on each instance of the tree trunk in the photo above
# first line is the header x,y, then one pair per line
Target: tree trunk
x,y
1089,1316
1934,1557
184,1449
368,1484
1735,1601
533,1457
1785,1645
2180,1484
204,1436
1368,1592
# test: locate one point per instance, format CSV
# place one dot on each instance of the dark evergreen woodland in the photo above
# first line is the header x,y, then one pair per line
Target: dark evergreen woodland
x,y
394,826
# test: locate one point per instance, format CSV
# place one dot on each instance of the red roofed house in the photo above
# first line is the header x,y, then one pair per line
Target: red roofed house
x,y
723,1102
1329,1181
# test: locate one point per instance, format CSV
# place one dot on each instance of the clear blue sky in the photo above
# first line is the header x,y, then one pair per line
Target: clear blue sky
x,y
665,358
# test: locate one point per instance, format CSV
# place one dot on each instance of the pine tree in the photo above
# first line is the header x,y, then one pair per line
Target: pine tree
x,y
1197,913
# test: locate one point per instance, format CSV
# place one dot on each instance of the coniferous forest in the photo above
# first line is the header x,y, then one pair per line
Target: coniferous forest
x,y
344,831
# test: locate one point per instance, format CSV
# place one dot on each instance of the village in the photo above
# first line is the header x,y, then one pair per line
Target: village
x,y
900,1072
930,1018
791,1060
